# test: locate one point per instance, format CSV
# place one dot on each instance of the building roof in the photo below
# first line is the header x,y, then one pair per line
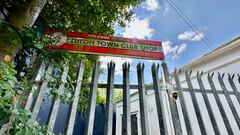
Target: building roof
x,y
214,53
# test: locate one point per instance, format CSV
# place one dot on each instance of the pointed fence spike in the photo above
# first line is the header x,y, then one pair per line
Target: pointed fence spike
x,y
234,88
108,120
198,74
207,103
220,105
186,73
114,65
180,70
182,102
229,100
126,119
175,70
142,100
123,65
232,76
56,104
92,100
74,104
219,76
208,75
111,64
238,78
139,65
153,66
158,66
190,72
159,101
195,103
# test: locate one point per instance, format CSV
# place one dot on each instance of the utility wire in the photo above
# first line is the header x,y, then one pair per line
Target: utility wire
x,y
190,24
196,28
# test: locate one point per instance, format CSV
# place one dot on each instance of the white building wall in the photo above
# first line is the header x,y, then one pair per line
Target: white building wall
x,y
134,107
224,60
228,62
152,113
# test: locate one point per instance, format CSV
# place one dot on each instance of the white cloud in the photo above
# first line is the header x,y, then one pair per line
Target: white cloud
x,y
118,63
191,35
151,5
173,52
138,28
166,9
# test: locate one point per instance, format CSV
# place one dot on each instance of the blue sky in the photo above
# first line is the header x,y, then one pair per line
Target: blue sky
x,y
217,20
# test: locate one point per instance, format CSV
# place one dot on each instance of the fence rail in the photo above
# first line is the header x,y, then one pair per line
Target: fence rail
x,y
174,91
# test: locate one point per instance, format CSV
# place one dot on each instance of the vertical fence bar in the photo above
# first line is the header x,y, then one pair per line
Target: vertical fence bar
x,y
172,101
195,104
235,91
92,100
41,93
220,106
108,123
207,103
74,105
225,91
142,99
159,100
238,78
126,123
183,104
56,104
41,71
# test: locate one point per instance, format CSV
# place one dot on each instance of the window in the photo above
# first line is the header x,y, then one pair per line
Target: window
x,y
134,124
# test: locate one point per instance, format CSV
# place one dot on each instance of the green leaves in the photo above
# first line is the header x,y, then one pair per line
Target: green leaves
x,y
89,16
10,110
23,124
31,38
7,84
39,45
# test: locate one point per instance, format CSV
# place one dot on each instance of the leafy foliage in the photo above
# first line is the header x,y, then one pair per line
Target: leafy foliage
x,y
89,16
7,85
18,119
23,124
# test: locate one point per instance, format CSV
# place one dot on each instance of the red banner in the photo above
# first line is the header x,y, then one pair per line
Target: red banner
x,y
104,45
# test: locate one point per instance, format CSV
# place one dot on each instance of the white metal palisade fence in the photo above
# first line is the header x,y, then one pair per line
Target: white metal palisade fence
x,y
175,94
